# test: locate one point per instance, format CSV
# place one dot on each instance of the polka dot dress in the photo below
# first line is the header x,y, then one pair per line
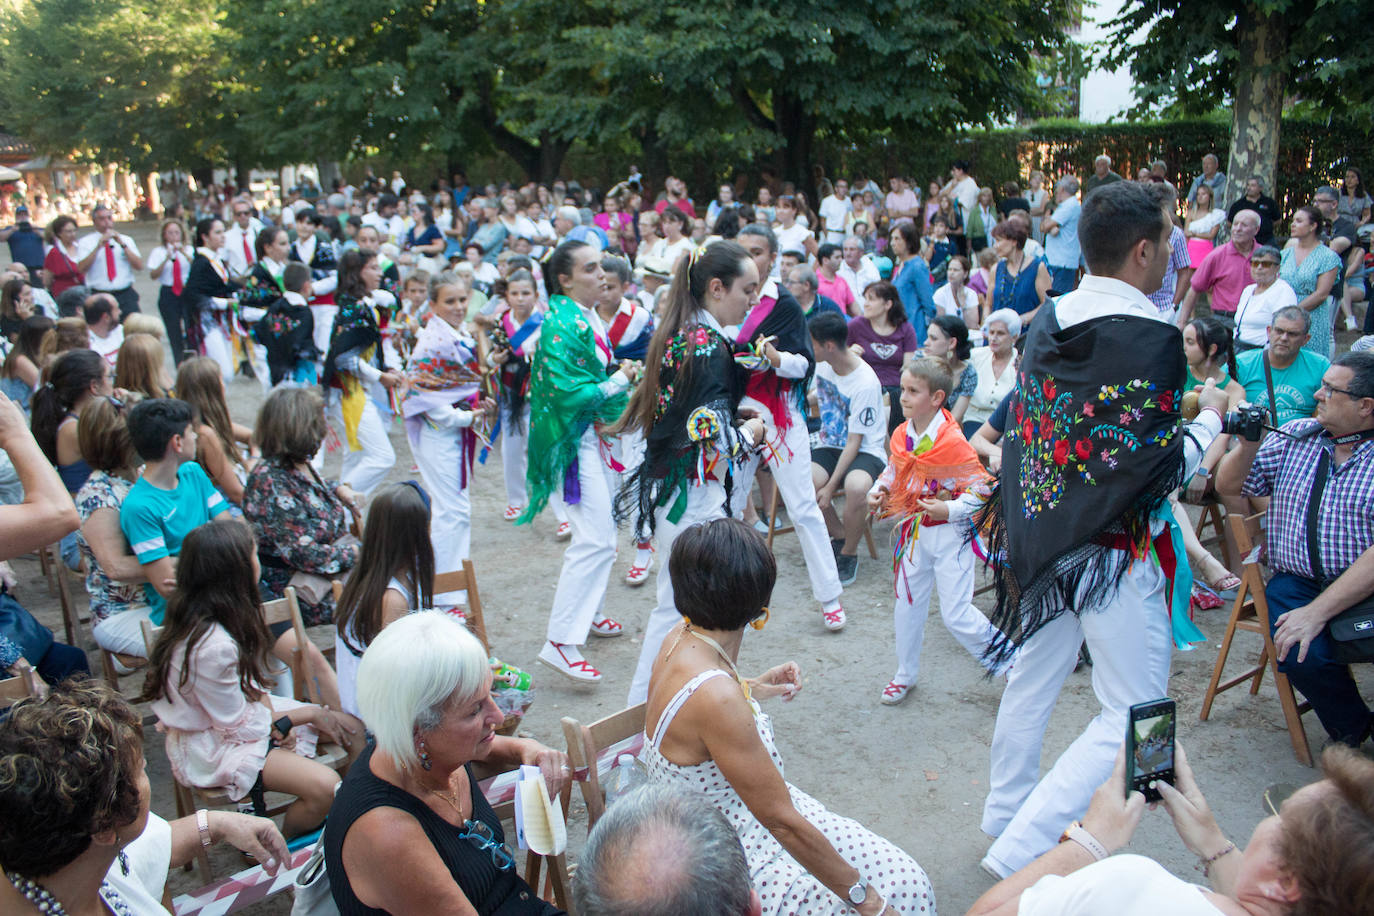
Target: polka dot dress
x,y
784,886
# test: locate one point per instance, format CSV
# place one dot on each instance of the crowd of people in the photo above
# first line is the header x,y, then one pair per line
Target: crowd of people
x,y
1003,380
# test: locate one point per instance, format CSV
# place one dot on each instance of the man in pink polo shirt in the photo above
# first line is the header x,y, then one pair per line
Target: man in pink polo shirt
x,y
1225,272
829,283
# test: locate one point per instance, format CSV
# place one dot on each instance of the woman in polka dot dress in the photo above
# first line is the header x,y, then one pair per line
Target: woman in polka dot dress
x,y
706,734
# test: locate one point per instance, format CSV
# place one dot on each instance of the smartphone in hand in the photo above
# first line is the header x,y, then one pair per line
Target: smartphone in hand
x,y
1150,746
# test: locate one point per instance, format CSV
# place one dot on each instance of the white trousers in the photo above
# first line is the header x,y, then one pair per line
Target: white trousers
x,y
515,460
367,467
939,561
704,502
218,348
587,562
440,455
122,632
1131,643
798,492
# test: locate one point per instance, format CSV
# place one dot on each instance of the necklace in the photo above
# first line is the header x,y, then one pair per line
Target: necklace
x,y
49,905
687,630
452,799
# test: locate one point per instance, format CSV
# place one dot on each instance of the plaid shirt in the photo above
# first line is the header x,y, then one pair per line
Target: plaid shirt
x,y
1286,469
1179,259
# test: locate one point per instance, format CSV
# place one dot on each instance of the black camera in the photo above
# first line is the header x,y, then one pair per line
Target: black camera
x,y
1247,421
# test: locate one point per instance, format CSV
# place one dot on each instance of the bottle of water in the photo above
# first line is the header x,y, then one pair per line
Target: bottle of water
x,y
627,775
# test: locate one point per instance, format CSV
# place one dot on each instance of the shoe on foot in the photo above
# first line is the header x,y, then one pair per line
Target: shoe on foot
x,y
834,620
848,568
564,531
638,575
568,661
605,627
1350,322
895,693
512,513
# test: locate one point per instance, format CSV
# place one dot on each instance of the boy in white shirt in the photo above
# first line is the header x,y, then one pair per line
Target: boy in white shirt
x,y
853,423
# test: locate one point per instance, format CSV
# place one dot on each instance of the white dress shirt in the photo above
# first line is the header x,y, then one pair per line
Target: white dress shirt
x,y
97,274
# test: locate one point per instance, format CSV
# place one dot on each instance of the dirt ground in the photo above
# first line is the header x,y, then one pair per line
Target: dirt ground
x,y
916,773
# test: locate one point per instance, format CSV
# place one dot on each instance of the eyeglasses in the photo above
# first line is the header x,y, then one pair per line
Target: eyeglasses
x,y
1263,262
1328,389
480,835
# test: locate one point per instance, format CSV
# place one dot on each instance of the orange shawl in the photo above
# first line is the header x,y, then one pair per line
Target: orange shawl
x,y
945,468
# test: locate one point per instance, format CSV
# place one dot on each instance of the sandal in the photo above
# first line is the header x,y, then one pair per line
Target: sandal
x,y
638,575
834,620
512,513
895,693
606,628
564,531
1227,583
580,670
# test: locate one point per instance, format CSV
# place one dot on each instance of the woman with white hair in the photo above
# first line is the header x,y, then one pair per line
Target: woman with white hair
x,y
424,688
994,367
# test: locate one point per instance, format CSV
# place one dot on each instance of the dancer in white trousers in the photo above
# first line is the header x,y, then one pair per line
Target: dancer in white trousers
x,y
211,296
441,406
510,347
929,460
777,390
1080,526
572,404
686,407
355,367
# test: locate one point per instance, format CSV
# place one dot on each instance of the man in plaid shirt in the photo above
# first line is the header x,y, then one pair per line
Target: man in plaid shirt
x,y
1303,599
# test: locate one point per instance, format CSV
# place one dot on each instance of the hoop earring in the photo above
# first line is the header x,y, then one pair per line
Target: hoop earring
x,y
760,621
425,763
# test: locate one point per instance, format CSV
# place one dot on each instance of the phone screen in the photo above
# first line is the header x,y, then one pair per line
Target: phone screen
x,y
1150,743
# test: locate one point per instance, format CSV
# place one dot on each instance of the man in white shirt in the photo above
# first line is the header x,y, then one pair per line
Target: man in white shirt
x,y
1125,619
240,240
109,260
835,212
102,315
388,223
855,270
961,188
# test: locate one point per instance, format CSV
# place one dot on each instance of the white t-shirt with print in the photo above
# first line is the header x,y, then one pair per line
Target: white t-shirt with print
x,y
851,404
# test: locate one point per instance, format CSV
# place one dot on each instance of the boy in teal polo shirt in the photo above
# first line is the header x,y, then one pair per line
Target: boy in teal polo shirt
x,y
172,498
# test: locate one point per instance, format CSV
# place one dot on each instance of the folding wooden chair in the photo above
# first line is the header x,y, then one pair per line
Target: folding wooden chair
x,y
465,579
23,685
788,529
593,749
1211,520
1250,613
286,609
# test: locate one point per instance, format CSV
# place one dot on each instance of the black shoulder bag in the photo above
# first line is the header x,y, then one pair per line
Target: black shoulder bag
x,y
1273,401
1352,630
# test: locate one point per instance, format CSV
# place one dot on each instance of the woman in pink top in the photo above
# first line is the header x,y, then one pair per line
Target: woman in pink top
x,y
207,683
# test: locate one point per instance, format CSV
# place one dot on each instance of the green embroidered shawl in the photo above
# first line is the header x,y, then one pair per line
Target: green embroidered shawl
x,y
565,398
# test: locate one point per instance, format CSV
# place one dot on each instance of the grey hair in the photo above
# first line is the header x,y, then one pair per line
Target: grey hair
x,y
1362,365
660,851
1327,189
1067,183
1103,158
1253,213
1293,313
569,213
806,274
764,232
1211,156
854,239
410,674
1268,251
1007,317
1259,181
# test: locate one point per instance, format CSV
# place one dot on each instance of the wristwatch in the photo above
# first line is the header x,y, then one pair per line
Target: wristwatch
x,y
858,893
1079,834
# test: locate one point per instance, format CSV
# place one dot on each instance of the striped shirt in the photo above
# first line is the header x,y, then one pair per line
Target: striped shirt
x,y
1286,469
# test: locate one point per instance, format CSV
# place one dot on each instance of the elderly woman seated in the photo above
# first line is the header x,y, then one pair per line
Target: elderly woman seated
x,y
705,733
1315,856
424,690
76,835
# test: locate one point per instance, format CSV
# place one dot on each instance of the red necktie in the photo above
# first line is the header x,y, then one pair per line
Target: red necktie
x,y
176,276
109,261
247,252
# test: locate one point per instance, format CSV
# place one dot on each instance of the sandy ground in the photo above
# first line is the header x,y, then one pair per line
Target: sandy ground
x,y
915,773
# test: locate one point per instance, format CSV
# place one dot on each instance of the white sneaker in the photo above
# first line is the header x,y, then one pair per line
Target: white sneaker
x,y
895,693
568,661
834,620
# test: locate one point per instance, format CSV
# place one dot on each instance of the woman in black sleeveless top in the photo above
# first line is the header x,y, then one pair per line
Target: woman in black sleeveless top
x,y
410,831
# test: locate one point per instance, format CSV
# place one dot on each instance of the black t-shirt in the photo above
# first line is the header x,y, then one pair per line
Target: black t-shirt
x,y
1013,203
1266,207
1342,228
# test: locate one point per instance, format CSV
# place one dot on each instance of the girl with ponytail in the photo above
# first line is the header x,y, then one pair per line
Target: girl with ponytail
x,y
687,408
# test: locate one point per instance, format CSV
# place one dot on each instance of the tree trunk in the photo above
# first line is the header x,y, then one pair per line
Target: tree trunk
x,y
1261,79
797,127
653,162
329,171
551,155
